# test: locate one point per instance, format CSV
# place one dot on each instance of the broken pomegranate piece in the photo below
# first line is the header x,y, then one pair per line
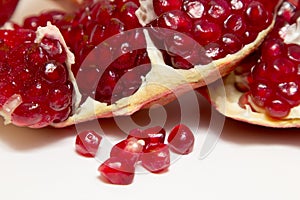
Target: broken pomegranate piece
x,y
181,139
37,90
267,91
117,171
156,158
87,143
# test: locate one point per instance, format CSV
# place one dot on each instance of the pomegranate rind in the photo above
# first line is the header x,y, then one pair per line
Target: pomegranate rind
x,y
228,104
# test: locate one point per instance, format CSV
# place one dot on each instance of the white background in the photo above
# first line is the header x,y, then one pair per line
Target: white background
x,y
248,162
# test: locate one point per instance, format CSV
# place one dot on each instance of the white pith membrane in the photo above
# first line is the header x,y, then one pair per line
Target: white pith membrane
x,y
228,104
160,86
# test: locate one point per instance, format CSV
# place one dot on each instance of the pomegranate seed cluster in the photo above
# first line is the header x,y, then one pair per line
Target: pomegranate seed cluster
x,y
34,80
145,147
118,58
220,27
272,78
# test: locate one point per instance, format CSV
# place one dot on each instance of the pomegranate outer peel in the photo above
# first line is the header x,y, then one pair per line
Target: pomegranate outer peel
x,y
228,104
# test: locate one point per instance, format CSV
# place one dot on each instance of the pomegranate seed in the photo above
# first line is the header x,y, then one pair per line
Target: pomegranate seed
x,y
7,8
235,24
231,43
151,136
218,9
181,139
162,6
127,14
129,149
206,32
271,49
54,72
260,93
117,171
293,52
156,158
194,8
277,108
87,143
290,91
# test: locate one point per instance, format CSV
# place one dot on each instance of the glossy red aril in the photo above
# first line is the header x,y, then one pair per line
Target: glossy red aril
x,y
156,158
151,136
34,70
181,139
128,149
162,6
117,171
222,27
7,8
87,143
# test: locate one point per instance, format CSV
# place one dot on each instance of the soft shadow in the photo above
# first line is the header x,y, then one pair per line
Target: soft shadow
x,y
23,139
247,134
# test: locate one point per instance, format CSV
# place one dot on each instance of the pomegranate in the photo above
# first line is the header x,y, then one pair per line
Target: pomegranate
x,y
87,143
265,91
7,8
131,73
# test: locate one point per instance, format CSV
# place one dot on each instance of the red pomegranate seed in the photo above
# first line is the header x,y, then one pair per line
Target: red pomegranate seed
x,y
277,108
162,6
206,32
256,15
117,171
271,49
194,8
7,8
181,139
231,43
290,91
293,52
127,14
218,9
54,72
128,149
235,24
156,158
261,92
87,143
